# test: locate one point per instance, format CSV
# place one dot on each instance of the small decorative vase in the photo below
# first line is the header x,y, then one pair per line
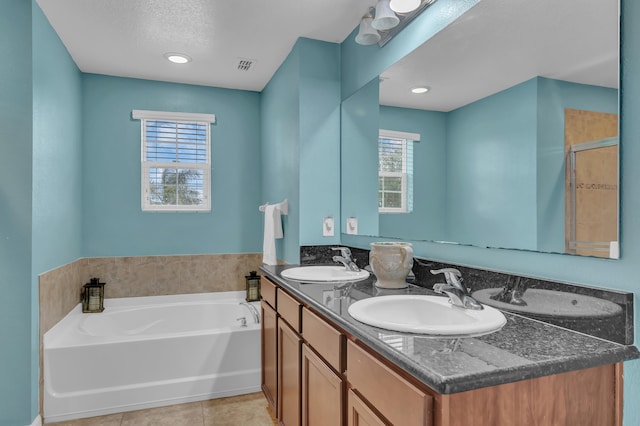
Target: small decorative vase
x,y
391,262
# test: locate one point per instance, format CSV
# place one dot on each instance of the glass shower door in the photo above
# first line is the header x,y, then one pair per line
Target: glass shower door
x,y
593,198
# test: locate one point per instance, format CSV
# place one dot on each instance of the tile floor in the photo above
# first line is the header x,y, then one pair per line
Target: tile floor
x,y
243,410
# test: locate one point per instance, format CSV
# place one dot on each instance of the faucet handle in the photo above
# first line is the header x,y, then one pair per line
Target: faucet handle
x,y
344,251
446,271
451,275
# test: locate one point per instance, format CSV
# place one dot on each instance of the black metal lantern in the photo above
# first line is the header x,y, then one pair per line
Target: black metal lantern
x,y
253,286
93,296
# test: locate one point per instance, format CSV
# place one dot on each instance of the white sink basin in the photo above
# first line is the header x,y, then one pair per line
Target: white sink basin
x,y
426,315
550,303
337,273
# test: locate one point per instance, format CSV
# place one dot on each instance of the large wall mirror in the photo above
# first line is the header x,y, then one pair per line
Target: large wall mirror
x,y
515,143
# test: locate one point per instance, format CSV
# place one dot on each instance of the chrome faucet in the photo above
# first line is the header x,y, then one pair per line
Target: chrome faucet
x,y
512,292
458,294
253,310
345,259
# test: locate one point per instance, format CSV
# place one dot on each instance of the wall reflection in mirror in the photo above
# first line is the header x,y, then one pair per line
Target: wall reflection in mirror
x,y
513,88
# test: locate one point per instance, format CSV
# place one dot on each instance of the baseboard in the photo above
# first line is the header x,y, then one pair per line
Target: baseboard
x,y
37,421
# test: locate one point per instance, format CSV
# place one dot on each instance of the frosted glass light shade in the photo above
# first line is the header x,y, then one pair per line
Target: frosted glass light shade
x,y
404,6
385,17
366,34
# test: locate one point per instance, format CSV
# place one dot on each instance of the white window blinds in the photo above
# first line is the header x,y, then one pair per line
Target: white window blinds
x,y
176,161
395,171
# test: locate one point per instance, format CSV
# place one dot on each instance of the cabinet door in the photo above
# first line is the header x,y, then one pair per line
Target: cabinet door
x,y
358,414
289,346
384,389
269,356
321,391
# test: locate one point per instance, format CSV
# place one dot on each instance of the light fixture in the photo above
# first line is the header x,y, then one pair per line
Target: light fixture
x,y
404,6
177,58
388,18
420,89
367,34
385,17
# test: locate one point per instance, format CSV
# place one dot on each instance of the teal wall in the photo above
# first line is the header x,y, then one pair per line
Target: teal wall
x,y
300,134
483,180
40,201
319,139
619,274
428,218
113,221
16,152
57,166
360,118
491,170
280,156
553,97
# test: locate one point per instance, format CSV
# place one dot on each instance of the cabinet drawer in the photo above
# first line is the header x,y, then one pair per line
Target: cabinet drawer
x,y
289,309
386,390
325,339
268,292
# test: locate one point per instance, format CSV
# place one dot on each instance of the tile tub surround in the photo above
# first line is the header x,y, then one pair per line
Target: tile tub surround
x,y
59,289
618,328
523,349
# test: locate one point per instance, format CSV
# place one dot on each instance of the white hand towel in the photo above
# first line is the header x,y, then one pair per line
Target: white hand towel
x,y
272,231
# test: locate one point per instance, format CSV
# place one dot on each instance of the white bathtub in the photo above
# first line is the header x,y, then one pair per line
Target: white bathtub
x,y
144,352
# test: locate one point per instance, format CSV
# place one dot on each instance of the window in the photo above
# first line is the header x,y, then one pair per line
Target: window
x,y
395,171
176,161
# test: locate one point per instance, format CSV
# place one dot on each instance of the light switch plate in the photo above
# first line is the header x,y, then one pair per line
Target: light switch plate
x,y
327,226
352,225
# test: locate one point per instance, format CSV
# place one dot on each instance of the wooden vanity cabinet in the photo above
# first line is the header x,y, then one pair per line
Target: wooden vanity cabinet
x,y
269,339
326,377
322,367
289,351
289,359
269,373
387,392
359,413
322,391
586,397
308,363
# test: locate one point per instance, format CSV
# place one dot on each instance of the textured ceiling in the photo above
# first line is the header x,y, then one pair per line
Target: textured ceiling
x,y
500,43
497,44
129,38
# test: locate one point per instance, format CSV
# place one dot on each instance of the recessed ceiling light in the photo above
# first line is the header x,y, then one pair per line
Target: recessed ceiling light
x,y
421,89
177,58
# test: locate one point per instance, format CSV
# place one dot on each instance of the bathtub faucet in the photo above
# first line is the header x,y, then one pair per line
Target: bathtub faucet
x,y
253,310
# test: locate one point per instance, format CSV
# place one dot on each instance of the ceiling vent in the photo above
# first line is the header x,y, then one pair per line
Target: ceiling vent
x,y
245,64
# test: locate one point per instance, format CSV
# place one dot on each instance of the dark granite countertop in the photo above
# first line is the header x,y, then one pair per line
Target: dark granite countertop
x,y
523,349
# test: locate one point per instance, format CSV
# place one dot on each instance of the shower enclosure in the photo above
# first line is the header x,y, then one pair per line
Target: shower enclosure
x,y
593,198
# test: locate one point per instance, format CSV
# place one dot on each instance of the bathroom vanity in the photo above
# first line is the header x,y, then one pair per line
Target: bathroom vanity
x,y
321,366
